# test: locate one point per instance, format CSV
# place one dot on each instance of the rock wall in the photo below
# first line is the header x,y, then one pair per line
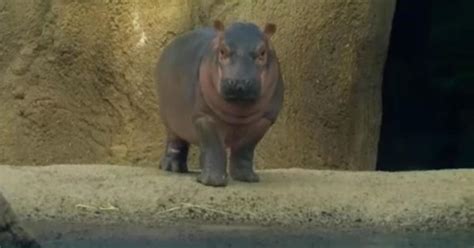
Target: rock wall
x,y
76,82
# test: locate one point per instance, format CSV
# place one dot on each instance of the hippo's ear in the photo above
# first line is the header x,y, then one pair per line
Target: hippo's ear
x,y
219,26
269,29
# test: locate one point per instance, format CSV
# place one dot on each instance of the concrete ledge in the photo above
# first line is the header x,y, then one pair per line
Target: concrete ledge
x,y
428,200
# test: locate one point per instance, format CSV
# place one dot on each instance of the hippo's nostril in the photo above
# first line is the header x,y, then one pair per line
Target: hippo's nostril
x,y
240,86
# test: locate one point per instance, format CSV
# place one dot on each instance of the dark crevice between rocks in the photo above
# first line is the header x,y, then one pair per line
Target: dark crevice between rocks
x,y
428,109
12,235
16,237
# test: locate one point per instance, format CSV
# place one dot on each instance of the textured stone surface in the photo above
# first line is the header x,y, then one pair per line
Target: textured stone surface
x,y
76,79
76,82
332,200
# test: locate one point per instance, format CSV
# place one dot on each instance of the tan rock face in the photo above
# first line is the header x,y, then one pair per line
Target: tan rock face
x,y
76,78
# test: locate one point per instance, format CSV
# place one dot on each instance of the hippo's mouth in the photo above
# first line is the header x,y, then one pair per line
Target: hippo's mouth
x,y
240,98
234,91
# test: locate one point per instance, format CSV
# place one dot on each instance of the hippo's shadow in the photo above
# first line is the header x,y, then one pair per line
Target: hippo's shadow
x,y
193,172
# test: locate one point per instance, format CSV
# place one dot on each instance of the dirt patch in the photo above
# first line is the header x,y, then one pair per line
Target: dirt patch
x,y
76,81
296,197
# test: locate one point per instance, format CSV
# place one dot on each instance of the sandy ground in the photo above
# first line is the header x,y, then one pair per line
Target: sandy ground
x,y
98,194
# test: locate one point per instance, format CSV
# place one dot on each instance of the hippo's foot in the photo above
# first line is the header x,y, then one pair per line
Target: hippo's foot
x,y
213,179
244,175
241,165
173,164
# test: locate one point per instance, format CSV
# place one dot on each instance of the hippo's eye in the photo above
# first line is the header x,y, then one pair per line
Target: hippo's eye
x,y
261,56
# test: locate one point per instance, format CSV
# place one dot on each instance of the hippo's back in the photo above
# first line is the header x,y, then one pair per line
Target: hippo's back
x,y
179,62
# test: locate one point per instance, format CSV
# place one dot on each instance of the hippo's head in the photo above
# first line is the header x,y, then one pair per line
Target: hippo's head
x,y
243,53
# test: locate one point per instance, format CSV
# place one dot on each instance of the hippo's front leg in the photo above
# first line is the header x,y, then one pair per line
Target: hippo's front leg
x,y
241,164
242,154
213,158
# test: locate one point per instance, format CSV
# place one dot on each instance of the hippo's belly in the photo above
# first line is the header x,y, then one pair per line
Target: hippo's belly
x,y
177,81
176,110
181,125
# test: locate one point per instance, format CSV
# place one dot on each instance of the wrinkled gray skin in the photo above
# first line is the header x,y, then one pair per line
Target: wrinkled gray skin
x,y
221,89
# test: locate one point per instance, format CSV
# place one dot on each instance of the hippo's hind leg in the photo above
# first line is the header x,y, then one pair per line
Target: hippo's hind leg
x,y
176,154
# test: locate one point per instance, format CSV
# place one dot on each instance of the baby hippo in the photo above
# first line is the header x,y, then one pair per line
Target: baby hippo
x,y
219,88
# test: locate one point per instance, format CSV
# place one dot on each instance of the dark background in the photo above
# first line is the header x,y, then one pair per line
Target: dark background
x,y
428,88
